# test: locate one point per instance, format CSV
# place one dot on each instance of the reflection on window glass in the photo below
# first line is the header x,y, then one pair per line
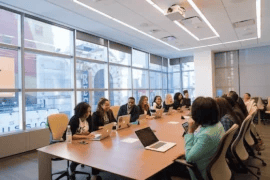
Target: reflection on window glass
x,y
91,75
90,50
119,57
139,59
165,65
10,118
187,66
43,36
140,79
47,72
120,77
9,69
91,97
174,80
155,80
155,62
165,81
174,65
39,105
10,24
138,93
119,98
154,93
188,79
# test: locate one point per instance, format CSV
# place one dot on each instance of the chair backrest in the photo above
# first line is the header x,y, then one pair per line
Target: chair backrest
x,y
115,110
238,149
218,167
249,139
58,125
268,105
260,104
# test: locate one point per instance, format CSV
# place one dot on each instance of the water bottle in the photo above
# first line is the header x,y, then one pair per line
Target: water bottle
x,y
69,135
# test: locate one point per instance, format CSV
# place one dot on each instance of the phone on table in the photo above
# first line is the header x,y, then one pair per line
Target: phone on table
x,y
185,126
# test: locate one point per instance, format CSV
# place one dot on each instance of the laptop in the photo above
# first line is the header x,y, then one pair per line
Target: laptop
x,y
123,122
159,113
170,111
105,132
151,142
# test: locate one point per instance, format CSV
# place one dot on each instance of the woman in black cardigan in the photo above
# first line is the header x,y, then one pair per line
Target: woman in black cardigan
x,y
81,128
103,115
178,100
144,106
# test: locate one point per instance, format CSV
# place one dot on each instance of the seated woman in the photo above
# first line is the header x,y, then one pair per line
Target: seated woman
x,y
178,100
81,126
236,109
157,104
103,115
168,102
227,115
202,145
144,106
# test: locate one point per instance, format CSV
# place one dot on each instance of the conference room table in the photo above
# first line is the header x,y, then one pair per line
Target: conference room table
x,y
130,160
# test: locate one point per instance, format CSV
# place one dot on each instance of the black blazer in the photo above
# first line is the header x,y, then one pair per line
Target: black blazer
x,y
186,102
141,111
166,107
98,119
134,112
177,104
74,125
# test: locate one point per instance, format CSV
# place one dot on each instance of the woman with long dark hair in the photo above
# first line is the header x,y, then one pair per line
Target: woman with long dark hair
x,y
178,100
144,106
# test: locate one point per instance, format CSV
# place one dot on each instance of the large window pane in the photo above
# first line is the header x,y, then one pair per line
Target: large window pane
x,y
188,79
39,105
164,92
42,36
187,66
10,24
138,93
91,97
165,81
155,80
155,62
140,79
174,80
92,51
120,77
174,65
119,57
10,118
139,59
154,93
91,75
9,74
165,64
118,98
47,72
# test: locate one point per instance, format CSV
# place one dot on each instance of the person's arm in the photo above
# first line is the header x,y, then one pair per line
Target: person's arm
x,y
135,114
120,112
95,122
112,118
165,107
154,106
227,123
82,136
175,105
148,112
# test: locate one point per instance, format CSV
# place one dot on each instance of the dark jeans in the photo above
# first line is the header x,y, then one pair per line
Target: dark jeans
x,y
73,166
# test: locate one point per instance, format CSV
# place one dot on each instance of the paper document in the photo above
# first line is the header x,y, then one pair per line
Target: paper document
x,y
173,122
130,140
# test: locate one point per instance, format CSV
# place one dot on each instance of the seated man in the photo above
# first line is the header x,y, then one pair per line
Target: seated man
x,y
248,101
186,100
129,108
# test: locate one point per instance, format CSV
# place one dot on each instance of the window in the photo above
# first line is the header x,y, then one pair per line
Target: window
x,y
174,80
118,98
91,75
154,93
155,80
120,77
140,59
165,64
10,24
138,93
91,51
120,54
155,62
47,72
140,79
188,79
91,97
46,37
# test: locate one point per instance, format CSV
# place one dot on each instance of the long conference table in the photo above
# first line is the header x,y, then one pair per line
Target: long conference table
x,y
130,160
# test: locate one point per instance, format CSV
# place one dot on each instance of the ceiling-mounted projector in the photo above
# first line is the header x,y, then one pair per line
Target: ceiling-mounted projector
x,y
176,12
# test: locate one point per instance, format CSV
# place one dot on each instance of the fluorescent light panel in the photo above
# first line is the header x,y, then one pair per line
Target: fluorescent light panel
x,y
259,19
203,17
121,22
185,29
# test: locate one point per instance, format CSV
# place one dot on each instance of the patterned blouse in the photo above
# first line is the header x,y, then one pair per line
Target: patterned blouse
x,y
227,122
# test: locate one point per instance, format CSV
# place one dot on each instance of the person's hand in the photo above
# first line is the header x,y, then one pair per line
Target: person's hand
x,y
147,117
100,127
90,136
192,126
85,133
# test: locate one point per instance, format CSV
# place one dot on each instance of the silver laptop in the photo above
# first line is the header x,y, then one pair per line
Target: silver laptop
x,y
159,113
151,142
105,132
142,119
123,122
170,111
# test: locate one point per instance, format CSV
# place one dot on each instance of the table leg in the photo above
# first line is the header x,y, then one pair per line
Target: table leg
x,y
44,166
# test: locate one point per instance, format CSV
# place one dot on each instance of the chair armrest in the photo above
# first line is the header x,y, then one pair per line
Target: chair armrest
x,y
184,162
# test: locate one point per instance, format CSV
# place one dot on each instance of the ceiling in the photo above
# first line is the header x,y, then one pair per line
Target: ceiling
x,y
144,17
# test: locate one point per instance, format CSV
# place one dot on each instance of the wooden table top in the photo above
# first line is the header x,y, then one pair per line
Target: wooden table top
x,y
126,159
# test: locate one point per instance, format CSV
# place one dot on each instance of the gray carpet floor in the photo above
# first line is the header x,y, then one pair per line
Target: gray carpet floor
x,y
25,166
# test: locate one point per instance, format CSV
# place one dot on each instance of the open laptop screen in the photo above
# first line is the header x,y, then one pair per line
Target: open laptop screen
x,y
146,136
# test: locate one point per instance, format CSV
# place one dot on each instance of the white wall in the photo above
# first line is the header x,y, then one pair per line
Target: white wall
x,y
204,67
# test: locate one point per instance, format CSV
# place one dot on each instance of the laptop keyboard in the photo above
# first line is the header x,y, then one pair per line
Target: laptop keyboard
x,y
158,145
